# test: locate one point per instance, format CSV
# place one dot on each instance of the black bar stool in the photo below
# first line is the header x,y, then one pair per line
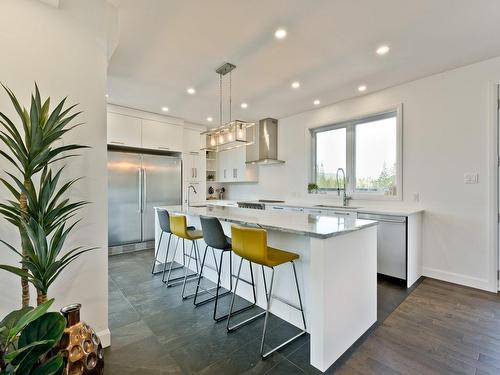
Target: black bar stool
x,y
214,237
251,244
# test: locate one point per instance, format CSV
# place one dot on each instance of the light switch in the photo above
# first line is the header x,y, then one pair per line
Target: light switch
x,y
471,178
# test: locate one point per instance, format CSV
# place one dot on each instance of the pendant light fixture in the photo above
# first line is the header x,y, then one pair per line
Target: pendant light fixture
x,y
230,134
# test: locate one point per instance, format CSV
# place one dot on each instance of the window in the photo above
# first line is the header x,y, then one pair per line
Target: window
x,y
367,149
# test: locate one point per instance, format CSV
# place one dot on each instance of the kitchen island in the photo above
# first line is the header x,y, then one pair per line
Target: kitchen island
x,y
337,271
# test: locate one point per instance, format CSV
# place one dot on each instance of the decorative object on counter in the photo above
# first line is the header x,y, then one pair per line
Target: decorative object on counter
x,y
232,133
312,188
28,339
210,192
220,191
80,346
40,212
210,177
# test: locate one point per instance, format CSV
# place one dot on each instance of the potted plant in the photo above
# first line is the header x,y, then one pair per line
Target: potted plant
x,y
41,211
312,188
43,214
29,338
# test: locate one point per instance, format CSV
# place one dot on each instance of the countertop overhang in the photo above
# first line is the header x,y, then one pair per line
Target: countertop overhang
x,y
300,223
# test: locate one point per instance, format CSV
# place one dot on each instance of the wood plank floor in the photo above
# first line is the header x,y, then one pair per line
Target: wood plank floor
x,y
440,328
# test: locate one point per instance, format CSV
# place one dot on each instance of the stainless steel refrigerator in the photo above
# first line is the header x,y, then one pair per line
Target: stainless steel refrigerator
x,y
136,184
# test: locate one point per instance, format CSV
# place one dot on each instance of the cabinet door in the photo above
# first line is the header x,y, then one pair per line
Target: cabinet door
x,y
193,167
191,141
222,163
161,136
123,130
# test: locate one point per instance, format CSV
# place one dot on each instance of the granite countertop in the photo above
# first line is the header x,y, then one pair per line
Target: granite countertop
x,y
291,222
383,210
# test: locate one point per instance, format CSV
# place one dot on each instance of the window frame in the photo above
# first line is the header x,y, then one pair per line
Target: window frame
x,y
350,126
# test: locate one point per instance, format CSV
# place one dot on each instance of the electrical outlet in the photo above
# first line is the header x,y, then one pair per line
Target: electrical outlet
x,y
471,178
416,197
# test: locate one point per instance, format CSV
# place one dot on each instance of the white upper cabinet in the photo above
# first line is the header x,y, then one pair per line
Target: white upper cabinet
x,y
232,167
192,141
161,136
124,130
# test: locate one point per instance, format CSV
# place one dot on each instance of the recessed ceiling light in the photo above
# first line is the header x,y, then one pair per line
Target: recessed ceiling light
x,y
107,96
244,105
191,91
164,109
362,88
317,102
280,33
210,119
382,50
296,85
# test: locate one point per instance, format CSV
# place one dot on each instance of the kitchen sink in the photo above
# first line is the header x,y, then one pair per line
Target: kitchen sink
x,y
336,207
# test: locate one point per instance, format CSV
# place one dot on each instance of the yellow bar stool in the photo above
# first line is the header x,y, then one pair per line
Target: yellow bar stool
x,y
251,245
179,228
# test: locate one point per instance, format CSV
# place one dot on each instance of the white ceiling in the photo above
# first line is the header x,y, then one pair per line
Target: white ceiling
x,y
167,46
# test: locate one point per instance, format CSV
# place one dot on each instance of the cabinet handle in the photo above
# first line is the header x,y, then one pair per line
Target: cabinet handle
x,y
278,208
196,172
163,148
224,173
193,153
117,143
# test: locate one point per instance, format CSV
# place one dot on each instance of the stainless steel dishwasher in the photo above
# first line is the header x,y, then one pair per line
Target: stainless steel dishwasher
x,y
391,244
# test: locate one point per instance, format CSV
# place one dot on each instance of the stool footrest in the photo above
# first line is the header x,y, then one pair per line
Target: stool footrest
x,y
177,280
236,312
267,354
202,291
166,265
246,321
211,298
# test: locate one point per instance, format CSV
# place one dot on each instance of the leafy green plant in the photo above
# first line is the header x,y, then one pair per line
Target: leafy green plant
x,y
312,188
32,148
27,337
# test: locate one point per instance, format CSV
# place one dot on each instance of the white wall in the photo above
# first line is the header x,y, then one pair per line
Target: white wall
x,y
448,130
64,50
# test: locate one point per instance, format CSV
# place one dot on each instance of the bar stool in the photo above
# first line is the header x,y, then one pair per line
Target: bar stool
x,y
251,244
164,221
180,229
214,237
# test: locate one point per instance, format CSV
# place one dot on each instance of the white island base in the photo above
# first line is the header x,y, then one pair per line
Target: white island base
x,y
337,278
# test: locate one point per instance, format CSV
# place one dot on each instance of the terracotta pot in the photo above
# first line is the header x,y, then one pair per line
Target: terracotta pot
x,y
80,346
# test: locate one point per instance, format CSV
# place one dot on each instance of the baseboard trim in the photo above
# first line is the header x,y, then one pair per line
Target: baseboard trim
x,y
456,278
105,337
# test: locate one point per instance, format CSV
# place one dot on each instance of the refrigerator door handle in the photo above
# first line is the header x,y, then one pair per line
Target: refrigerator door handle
x,y
144,194
139,198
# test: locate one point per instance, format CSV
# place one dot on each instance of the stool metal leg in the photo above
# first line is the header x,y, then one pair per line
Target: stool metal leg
x,y
166,259
157,251
251,319
265,355
187,268
216,288
176,280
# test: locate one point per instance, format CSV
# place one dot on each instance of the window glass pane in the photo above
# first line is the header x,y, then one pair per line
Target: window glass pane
x,y
330,155
376,156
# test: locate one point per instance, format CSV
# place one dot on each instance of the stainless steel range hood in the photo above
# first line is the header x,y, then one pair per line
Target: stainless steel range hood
x,y
265,150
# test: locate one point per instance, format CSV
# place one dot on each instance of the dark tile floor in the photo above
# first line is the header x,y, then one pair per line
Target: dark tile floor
x,y
154,332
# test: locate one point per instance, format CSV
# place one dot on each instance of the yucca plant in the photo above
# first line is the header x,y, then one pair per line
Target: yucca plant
x,y
31,150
